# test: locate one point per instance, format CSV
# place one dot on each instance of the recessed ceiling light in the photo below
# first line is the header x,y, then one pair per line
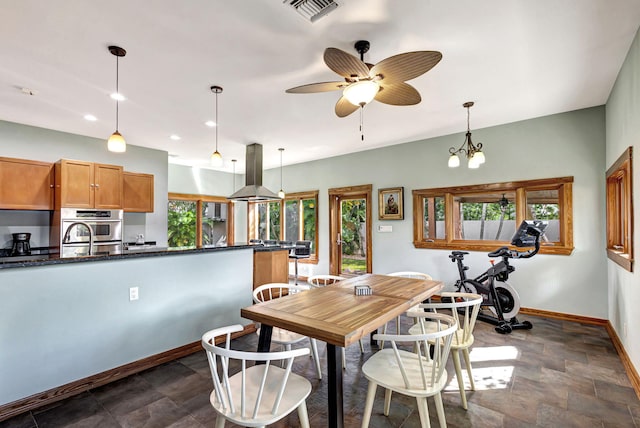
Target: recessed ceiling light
x,y
210,123
117,96
175,137
90,117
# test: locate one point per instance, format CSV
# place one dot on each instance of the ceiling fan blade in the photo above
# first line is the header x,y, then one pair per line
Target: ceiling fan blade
x,y
345,108
406,66
398,94
317,87
346,65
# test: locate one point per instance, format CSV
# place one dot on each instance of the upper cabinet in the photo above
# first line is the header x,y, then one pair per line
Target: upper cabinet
x,y
26,184
138,192
82,184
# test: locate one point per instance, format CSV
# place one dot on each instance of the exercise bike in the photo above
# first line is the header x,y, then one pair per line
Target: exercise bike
x,y
501,300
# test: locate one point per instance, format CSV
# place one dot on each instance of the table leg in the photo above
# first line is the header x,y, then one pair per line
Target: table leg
x,y
371,341
264,340
334,363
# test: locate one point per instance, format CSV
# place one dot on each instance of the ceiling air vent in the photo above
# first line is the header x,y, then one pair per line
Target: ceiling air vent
x,y
312,10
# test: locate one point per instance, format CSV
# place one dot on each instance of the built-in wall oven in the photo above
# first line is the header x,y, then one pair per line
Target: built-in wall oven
x,y
79,227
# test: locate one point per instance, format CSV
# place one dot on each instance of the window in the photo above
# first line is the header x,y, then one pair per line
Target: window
x,y
620,211
482,217
198,221
295,218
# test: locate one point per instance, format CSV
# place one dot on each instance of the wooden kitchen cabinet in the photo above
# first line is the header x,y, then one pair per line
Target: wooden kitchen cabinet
x,y
137,192
26,184
270,266
81,184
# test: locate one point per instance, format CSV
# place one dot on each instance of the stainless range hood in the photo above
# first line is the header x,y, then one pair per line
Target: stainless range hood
x,y
254,191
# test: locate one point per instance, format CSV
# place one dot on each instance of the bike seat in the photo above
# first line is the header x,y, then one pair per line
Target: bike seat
x,y
458,254
499,252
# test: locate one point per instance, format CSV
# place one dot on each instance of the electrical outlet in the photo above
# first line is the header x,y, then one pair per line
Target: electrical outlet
x,y
624,330
133,293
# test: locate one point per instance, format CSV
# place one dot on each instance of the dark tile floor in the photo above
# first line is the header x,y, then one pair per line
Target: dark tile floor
x,y
560,374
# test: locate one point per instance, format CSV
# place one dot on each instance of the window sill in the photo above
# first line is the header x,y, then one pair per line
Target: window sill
x,y
621,259
482,246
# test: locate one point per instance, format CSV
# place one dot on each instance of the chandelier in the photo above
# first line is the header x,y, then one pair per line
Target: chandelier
x,y
473,152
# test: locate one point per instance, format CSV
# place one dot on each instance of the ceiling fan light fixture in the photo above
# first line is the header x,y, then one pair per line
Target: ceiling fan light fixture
x,y
362,92
116,143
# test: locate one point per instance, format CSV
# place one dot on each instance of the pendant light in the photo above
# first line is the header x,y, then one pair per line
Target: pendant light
x,y
116,142
473,152
281,193
216,157
233,162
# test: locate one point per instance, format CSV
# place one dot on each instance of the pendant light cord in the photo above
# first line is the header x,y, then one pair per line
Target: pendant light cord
x,y
362,122
117,90
216,121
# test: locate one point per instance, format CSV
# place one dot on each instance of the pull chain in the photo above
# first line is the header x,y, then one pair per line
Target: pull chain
x,y
362,122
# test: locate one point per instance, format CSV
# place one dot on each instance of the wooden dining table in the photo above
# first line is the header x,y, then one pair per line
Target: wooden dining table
x,y
339,317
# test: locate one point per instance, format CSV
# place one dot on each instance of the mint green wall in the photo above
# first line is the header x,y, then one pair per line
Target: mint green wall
x,y
623,130
29,142
61,323
567,144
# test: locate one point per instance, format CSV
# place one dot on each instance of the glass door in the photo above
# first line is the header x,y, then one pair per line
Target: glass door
x,y
350,227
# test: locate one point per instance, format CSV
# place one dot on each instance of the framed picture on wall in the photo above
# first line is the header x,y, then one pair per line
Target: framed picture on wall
x,y
390,203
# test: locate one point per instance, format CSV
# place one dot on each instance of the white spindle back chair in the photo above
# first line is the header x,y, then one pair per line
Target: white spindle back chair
x,y
281,336
405,274
417,374
258,395
464,307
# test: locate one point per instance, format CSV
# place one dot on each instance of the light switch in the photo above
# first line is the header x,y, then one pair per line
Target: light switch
x,y
385,229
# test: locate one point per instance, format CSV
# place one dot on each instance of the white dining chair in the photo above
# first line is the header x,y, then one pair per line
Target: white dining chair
x,y
405,274
464,307
322,281
258,394
420,374
279,335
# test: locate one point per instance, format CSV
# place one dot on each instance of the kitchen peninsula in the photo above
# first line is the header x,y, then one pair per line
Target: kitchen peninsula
x,y
75,323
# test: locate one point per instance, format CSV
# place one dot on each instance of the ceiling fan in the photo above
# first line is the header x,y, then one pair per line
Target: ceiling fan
x,y
363,82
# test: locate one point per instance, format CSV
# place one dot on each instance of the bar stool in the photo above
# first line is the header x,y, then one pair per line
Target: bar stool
x,y
302,250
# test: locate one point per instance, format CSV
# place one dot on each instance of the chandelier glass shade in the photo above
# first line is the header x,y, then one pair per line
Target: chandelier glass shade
x,y
473,152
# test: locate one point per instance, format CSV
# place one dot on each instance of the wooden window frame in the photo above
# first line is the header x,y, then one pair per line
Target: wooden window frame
x,y
562,184
620,210
252,219
199,200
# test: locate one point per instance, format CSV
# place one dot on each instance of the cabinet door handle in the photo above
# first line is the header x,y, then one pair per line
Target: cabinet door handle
x,y
97,186
92,185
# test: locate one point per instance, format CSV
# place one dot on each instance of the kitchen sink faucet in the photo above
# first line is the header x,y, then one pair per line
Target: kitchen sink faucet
x,y
65,239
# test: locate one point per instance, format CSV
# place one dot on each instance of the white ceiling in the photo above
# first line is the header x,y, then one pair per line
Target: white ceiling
x,y
517,59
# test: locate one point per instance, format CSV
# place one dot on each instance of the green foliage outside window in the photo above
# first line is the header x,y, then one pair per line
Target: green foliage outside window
x,y
181,219
354,215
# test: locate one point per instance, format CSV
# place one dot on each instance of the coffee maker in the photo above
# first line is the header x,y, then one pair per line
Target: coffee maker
x,y
21,245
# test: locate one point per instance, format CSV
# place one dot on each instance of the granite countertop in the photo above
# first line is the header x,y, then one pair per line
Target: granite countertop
x,y
150,251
